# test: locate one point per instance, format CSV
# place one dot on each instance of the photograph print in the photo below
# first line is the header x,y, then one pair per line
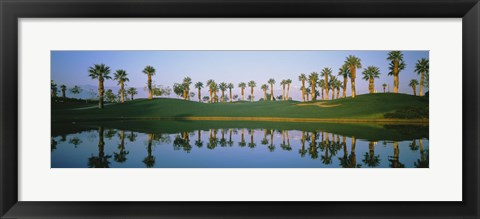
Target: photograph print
x,y
240,109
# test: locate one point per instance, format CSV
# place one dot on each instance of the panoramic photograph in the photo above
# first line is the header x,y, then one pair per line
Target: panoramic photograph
x,y
240,109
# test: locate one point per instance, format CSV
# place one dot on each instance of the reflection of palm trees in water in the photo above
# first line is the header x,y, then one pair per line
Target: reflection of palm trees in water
x,y
110,133
286,146
199,142
230,141
53,144
100,161
325,146
149,161
242,142
349,161
413,146
252,143
75,141
313,146
271,147
212,140
302,150
264,140
121,156
186,142
395,159
370,159
423,162
132,136
223,141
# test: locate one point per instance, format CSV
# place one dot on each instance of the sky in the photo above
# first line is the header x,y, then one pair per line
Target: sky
x,y
71,68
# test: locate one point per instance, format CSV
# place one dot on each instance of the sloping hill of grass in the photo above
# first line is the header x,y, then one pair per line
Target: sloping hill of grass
x,y
364,107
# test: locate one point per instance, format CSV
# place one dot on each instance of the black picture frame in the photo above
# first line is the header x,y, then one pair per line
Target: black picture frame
x,y
12,10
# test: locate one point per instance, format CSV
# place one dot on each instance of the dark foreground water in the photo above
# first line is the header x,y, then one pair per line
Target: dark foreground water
x,y
176,144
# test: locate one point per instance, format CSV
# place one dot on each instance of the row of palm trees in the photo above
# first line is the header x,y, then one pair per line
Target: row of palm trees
x,y
327,83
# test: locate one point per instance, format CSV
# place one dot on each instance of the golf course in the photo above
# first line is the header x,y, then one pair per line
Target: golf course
x,y
363,108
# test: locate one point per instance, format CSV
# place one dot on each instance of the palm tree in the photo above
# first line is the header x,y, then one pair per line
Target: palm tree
x,y
210,84
325,73
283,83
353,63
149,71
199,86
121,76
307,91
100,72
186,87
288,81
223,88
396,65
422,68
242,86
230,87
345,72
53,88
264,88
313,78
63,88
303,78
337,85
331,86
271,81
369,74
321,84
384,87
413,84
252,84
132,91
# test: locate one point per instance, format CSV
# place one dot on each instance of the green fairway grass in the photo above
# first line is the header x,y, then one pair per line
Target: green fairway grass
x,y
368,107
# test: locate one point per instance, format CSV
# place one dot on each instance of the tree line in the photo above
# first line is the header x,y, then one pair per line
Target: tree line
x,y
326,82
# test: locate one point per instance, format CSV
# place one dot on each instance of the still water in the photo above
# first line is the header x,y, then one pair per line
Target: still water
x,y
192,145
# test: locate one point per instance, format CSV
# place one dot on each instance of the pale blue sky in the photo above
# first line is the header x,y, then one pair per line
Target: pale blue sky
x,y
70,67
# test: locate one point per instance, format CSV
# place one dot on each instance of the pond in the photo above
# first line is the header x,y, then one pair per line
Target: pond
x,y
233,144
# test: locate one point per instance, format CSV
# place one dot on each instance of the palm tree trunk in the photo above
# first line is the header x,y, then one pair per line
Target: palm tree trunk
x,y
231,99
313,89
333,95
371,85
308,99
326,85
251,92
265,95
345,81
149,85
395,77
101,90
211,99
414,90
323,90
288,90
243,94
122,90
353,72
132,96
303,90
283,92
338,93
199,96
271,92
223,96
422,78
